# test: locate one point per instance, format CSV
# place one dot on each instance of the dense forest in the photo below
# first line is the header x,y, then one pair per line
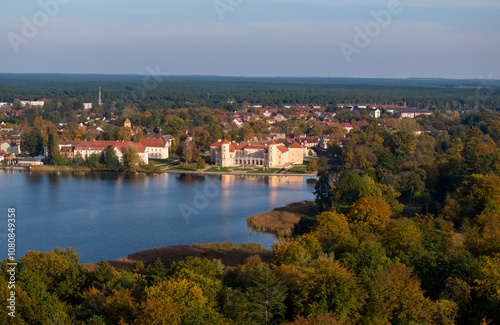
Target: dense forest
x,y
214,92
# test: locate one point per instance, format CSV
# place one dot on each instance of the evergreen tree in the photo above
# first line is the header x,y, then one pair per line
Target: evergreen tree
x,y
322,191
111,160
53,154
266,297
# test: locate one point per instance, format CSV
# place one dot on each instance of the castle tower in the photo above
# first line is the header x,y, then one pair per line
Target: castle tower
x,y
225,152
272,153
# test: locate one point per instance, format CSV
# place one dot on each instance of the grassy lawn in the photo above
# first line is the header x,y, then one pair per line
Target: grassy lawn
x,y
262,171
298,169
243,169
163,162
221,170
191,167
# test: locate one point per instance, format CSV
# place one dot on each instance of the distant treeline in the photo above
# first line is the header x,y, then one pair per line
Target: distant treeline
x,y
214,92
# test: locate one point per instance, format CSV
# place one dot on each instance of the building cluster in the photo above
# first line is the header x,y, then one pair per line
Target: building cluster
x,y
376,110
156,147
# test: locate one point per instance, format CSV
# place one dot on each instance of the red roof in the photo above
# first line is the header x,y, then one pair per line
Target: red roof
x,y
282,149
272,142
295,145
121,146
152,142
225,141
254,147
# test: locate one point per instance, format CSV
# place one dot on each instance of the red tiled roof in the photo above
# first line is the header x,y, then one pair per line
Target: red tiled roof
x,y
121,146
283,149
152,142
225,141
272,142
295,145
255,147
232,146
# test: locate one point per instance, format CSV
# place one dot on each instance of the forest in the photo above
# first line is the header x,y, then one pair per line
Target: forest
x,y
165,92
406,228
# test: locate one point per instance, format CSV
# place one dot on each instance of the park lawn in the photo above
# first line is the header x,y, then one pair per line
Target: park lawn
x,y
299,169
216,170
164,161
294,171
262,171
183,167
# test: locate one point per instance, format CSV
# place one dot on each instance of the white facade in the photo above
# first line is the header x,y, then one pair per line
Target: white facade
x,y
156,148
39,103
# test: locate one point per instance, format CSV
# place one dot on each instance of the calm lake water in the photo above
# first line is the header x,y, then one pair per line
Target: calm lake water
x,y
108,216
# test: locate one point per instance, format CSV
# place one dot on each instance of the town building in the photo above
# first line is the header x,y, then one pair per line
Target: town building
x,y
86,148
413,112
87,106
10,147
156,148
271,154
38,103
127,124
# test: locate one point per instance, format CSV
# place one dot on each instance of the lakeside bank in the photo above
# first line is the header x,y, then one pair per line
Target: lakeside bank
x,y
46,168
235,173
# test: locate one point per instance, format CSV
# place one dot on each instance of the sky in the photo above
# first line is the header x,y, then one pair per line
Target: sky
x,y
258,38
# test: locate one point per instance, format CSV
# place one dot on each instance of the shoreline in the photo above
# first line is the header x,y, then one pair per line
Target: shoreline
x,y
231,173
232,255
185,172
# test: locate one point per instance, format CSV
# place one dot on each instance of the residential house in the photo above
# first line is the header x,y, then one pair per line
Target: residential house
x,y
237,122
375,112
10,147
279,118
413,112
38,103
87,106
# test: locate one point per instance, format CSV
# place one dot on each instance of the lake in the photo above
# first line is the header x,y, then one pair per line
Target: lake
x,y
106,216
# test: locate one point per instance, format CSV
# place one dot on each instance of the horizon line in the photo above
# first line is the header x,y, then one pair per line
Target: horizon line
x,y
232,76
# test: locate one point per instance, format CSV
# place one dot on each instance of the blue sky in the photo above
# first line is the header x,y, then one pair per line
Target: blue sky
x,y
428,38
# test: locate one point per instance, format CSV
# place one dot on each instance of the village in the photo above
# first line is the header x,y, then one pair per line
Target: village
x,y
289,134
